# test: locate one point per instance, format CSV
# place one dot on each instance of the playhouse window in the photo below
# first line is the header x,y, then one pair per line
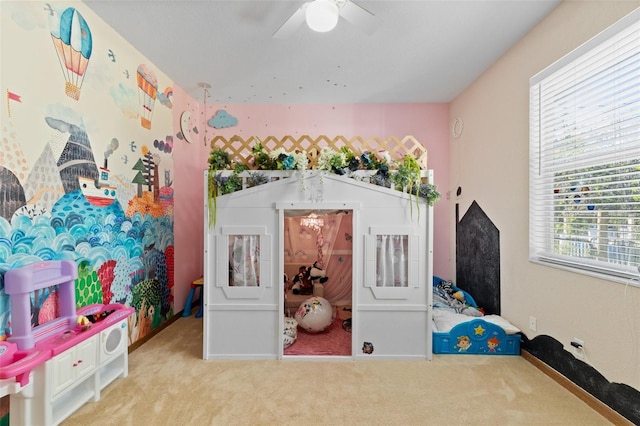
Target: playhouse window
x,y
392,265
392,261
244,260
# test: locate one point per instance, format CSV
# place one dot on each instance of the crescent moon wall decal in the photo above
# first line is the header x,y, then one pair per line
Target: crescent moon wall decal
x,y
184,126
457,128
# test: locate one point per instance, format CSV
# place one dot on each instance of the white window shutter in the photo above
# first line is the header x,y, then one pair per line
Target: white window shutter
x,y
370,275
265,260
414,261
222,260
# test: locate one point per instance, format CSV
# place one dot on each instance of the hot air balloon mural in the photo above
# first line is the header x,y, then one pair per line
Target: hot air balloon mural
x,y
73,43
147,88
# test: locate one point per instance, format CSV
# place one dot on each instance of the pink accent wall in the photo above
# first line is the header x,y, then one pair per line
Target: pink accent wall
x,y
189,163
428,123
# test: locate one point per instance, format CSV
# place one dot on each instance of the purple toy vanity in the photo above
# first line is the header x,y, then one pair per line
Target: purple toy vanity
x,y
85,358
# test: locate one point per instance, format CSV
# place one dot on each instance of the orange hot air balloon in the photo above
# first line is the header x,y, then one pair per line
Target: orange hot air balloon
x,y
73,42
147,88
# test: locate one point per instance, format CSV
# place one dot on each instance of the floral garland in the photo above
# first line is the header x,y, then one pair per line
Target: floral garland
x,y
279,159
344,161
406,173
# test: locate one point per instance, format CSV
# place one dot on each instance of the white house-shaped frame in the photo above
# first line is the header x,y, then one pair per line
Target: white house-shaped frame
x,y
246,322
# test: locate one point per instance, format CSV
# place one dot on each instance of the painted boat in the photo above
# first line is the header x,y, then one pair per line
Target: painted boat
x,y
101,194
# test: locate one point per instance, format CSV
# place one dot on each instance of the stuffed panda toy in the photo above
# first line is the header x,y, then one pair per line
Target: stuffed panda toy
x,y
317,274
307,277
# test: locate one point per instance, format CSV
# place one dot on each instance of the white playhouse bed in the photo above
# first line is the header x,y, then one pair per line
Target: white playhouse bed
x,y
245,262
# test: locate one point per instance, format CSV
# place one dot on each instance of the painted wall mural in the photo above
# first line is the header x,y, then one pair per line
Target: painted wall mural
x,y
85,163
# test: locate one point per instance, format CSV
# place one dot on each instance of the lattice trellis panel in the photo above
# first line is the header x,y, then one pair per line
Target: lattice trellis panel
x,y
240,150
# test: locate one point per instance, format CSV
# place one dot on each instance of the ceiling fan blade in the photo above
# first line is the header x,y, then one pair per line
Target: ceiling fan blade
x,y
359,16
292,24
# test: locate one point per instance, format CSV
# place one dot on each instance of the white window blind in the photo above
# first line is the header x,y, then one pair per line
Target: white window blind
x,y
584,193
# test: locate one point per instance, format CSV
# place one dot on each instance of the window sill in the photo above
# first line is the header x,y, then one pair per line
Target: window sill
x,y
631,280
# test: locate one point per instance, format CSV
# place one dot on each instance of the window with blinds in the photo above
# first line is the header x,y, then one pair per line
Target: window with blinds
x,y
584,192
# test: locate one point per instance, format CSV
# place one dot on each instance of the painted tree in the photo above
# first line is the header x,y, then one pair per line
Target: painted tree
x,y
139,179
156,181
122,282
149,166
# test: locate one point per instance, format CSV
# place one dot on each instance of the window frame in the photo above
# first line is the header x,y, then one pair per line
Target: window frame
x,y
538,253
265,262
413,259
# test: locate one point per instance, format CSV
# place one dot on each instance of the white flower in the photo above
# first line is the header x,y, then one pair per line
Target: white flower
x,y
384,155
330,158
276,153
324,161
301,160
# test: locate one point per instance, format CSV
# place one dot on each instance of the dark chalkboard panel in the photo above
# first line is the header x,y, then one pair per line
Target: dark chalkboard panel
x,y
478,258
622,398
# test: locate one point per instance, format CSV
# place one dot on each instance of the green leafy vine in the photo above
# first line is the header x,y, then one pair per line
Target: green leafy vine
x,y
408,176
218,160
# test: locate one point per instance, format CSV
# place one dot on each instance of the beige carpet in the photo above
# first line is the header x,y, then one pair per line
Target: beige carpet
x,y
169,384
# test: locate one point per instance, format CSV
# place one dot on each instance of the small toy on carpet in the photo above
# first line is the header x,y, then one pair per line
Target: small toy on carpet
x,y
346,325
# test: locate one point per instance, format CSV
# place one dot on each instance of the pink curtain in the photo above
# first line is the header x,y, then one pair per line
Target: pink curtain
x,y
332,244
339,262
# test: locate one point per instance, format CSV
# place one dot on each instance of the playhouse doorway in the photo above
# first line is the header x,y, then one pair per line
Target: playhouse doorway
x,y
318,261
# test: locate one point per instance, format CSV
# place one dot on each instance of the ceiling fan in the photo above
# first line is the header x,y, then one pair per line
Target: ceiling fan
x,y
323,15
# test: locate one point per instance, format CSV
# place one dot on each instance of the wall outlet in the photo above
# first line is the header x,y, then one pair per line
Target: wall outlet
x,y
578,347
533,323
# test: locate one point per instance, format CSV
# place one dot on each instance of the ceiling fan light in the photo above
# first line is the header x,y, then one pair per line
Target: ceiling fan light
x,y
322,15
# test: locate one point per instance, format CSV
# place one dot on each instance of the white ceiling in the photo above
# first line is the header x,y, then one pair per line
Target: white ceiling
x,y
422,51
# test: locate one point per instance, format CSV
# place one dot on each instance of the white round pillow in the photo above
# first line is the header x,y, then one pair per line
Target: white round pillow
x,y
315,314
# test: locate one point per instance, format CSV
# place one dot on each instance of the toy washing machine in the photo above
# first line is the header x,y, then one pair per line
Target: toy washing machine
x,y
113,355
113,341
